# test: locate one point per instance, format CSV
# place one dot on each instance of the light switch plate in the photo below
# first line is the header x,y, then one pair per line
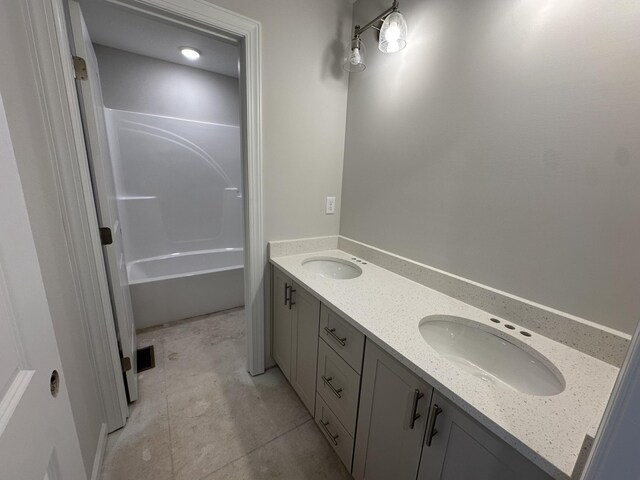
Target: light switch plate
x,y
331,206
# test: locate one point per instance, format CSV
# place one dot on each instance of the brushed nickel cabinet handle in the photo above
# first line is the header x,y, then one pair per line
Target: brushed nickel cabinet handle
x,y
332,333
414,415
327,382
286,289
431,424
291,292
334,438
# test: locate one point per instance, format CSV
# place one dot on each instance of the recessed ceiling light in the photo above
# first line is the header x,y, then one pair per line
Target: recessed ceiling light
x,y
190,53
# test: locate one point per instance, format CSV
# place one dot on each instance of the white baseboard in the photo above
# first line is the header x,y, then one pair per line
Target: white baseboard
x,y
99,458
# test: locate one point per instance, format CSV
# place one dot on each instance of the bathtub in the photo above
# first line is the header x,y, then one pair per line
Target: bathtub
x,y
182,285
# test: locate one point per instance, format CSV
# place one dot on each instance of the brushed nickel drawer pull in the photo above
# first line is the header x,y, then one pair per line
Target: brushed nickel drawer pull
x,y
332,333
286,290
291,292
334,438
414,415
327,382
431,424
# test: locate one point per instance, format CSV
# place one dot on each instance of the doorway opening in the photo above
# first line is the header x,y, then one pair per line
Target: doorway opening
x,y
174,153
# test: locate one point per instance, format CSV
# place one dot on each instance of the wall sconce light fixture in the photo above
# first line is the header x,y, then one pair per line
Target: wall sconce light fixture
x,y
393,38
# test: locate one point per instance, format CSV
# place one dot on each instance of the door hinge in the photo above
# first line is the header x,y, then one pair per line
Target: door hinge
x,y
126,364
80,68
105,236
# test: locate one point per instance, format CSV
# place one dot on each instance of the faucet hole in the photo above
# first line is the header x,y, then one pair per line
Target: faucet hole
x,y
510,327
526,334
495,320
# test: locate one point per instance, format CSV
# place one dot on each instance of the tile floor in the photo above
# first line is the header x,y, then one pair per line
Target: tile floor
x,y
201,416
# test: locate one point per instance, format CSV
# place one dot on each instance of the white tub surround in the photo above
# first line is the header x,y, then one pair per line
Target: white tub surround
x,y
178,183
182,285
181,205
177,265
387,308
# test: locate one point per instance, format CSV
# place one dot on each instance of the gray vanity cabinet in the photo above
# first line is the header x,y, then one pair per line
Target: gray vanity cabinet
x,y
403,429
296,319
392,419
281,321
457,447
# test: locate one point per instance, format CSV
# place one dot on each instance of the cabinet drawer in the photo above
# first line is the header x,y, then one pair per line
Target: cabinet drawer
x,y
339,386
334,432
342,337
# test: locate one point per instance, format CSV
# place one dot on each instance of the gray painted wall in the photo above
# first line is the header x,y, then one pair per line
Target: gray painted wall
x,y
502,145
30,140
142,84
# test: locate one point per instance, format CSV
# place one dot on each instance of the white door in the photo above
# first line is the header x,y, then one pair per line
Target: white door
x,y
90,95
38,439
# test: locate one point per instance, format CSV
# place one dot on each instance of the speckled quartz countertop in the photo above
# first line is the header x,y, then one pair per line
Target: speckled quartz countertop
x,y
388,308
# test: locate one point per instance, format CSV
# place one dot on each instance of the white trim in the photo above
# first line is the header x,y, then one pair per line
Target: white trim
x,y
102,447
52,61
204,16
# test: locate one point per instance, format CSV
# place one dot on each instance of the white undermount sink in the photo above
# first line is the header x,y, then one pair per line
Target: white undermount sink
x,y
472,347
330,267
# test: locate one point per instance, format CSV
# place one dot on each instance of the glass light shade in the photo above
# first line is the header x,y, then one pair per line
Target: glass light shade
x,y
393,34
354,56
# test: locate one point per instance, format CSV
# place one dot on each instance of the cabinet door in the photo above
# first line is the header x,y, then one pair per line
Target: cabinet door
x,y
304,349
281,322
391,420
462,448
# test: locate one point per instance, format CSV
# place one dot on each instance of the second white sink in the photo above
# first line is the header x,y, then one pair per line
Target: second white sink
x,y
331,267
473,347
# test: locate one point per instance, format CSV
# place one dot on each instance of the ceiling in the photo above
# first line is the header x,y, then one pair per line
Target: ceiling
x,y
117,27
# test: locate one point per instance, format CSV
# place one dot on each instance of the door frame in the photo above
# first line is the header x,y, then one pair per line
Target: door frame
x,y
247,33
58,91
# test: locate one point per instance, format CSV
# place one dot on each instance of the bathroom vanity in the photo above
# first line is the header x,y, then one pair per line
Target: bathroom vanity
x,y
382,364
